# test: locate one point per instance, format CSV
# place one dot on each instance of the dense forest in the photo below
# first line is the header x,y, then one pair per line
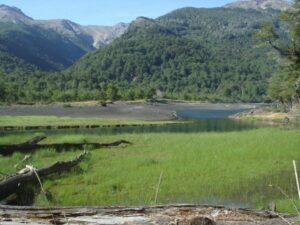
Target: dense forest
x,y
199,54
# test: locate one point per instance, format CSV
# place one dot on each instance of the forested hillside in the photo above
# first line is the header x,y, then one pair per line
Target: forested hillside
x,y
206,54
200,54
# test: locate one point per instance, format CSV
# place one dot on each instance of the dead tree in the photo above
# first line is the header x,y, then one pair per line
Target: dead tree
x,y
12,184
25,146
33,145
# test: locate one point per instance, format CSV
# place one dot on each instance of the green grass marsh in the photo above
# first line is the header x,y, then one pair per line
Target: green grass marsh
x,y
242,169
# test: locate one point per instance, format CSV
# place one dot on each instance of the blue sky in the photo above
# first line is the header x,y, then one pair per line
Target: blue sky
x,y
104,12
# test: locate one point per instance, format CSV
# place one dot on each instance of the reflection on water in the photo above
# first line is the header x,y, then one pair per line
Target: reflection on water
x,y
200,121
207,113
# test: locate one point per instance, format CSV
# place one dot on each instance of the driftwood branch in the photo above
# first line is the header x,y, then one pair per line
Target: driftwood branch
x,y
25,146
81,146
33,145
12,184
147,215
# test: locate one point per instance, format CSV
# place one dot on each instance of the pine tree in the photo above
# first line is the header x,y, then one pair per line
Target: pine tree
x,y
285,84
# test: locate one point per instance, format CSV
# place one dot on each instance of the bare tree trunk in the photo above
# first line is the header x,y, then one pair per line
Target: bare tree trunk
x,y
12,184
25,146
32,145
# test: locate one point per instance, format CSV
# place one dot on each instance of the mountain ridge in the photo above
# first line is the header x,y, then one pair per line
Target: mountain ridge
x,y
50,45
259,4
65,26
13,14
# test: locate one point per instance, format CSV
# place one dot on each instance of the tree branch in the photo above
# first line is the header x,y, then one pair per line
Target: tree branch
x,y
13,183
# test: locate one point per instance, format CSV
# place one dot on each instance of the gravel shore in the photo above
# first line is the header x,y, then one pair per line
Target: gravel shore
x,y
119,110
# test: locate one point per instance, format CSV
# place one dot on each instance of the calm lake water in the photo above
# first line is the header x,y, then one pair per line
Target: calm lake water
x,y
202,120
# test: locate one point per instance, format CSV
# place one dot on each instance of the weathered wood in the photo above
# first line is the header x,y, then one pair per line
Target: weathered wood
x,y
81,146
202,221
32,145
163,215
24,147
13,183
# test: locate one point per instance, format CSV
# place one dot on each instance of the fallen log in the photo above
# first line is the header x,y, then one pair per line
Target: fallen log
x,y
169,214
13,184
81,146
33,145
25,146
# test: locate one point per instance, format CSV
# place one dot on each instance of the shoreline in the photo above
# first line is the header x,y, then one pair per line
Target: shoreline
x,y
88,115
264,115
148,111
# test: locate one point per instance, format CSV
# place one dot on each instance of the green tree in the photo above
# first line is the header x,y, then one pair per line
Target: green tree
x,y
2,91
284,85
150,93
281,88
130,95
112,92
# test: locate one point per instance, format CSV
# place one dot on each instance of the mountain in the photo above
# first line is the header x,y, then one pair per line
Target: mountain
x,y
104,35
189,53
259,4
13,14
93,36
47,44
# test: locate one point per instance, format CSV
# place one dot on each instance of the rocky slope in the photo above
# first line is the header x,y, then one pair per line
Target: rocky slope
x,y
259,4
94,36
13,14
104,35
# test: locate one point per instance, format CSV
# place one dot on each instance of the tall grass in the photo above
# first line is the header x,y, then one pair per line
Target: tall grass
x,y
236,168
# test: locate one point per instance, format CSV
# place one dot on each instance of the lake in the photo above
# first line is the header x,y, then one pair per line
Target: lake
x,y
198,120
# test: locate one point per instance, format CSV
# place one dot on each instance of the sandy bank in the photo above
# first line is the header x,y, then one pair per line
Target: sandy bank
x,y
262,114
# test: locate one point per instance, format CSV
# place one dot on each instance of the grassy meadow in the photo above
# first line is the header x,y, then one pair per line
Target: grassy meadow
x,y
242,169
